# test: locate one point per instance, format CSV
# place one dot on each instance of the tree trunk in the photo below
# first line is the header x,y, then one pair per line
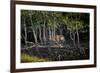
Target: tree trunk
x,y
54,34
49,33
35,37
78,41
72,36
40,34
33,29
74,39
44,35
25,34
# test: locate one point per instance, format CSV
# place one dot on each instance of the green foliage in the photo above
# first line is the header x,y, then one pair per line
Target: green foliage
x,y
28,58
24,13
57,22
56,19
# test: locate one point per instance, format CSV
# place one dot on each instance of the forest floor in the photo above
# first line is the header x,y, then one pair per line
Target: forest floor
x,y
43,54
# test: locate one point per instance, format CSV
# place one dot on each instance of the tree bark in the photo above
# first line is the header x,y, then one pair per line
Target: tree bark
x,y
72,36
54,34
78,41
40,34
74,39
44,35
49,33
25,34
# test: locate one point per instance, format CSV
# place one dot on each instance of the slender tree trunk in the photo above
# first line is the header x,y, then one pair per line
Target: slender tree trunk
x,y
50,38
72,36
25,34
44,35
40,34
74,39
35,37
54,34
49,33
36,34
78,41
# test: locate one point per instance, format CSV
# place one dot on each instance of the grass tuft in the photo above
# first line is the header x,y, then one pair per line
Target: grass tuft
x,y
28,58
